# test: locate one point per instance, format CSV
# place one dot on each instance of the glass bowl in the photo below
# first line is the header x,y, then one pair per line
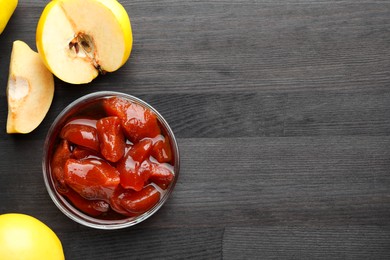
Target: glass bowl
x,y
51,141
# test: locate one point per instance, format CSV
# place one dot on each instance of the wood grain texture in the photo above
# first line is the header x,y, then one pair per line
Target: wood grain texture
x,y
200,243
281,110
353,242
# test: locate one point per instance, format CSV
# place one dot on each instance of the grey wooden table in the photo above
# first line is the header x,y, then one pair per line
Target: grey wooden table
x,y
282,114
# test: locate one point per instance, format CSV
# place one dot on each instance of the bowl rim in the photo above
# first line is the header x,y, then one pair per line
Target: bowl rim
x,y
67,208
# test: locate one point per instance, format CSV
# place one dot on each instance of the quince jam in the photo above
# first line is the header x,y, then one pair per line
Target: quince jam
x,y
112,159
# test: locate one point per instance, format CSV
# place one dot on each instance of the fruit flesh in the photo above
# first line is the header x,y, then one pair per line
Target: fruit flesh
x,y
30,89
78,39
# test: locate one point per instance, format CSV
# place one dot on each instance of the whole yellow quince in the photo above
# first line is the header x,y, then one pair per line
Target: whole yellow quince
x,y
25,237
7,8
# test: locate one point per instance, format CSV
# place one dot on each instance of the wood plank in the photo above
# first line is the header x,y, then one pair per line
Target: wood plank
x,y
338,113
279,46
258,181
348,242
200,243
303,113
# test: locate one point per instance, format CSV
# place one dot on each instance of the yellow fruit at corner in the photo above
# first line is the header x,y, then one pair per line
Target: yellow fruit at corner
x,y
7,8
78,39
25,237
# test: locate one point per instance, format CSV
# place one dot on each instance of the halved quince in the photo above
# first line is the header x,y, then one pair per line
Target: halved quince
x,y
30,89
78,39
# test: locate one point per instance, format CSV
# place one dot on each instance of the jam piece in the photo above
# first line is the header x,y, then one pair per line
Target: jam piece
x,y
81,132
115,201
91,207
91,178
83,153
137,121
138,202
131,177
161,176
111,137
61,155
162,151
